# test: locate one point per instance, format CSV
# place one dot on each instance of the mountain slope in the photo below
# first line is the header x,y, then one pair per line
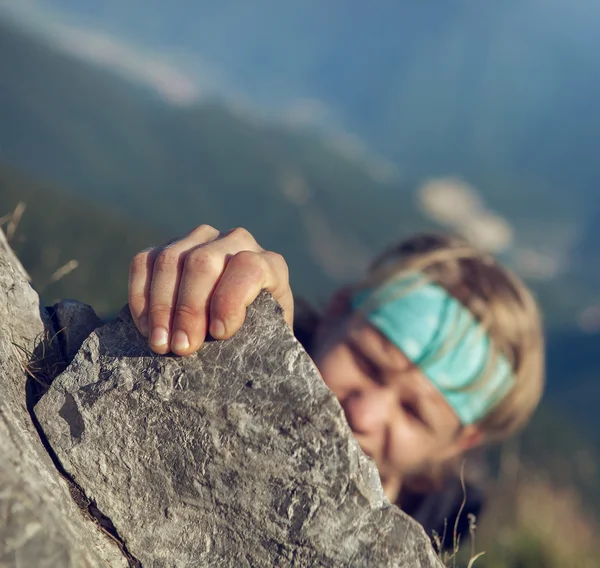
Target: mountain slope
x,y
57,228
174,168
492,91
502,94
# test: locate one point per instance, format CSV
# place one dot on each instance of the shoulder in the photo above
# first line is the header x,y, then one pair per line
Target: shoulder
x,y
447,509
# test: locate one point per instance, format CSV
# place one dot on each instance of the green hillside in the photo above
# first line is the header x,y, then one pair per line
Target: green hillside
x,y
500,91
57,228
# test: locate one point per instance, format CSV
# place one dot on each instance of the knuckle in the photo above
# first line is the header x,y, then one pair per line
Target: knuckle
x,y
201,260
249,261
187,312
277,261
204,231
246,257
280,272
140,261
241,234
160,311
167,259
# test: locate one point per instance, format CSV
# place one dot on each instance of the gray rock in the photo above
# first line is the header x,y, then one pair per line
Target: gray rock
x,y
236,456
40,523
72,323
7,252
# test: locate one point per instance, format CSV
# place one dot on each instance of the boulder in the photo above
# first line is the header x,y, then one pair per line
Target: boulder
x,y
236,456
41,523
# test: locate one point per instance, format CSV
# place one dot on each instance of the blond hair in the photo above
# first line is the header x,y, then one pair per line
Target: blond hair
x,y
499,300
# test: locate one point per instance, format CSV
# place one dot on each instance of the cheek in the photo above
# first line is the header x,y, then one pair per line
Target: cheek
x,y
410,449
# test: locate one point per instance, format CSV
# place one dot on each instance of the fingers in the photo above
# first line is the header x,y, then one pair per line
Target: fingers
x,y
202,271
205,279
142,279
140,276
167,273
248,273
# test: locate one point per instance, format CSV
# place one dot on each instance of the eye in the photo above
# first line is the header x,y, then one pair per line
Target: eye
x,y
367,365
412,411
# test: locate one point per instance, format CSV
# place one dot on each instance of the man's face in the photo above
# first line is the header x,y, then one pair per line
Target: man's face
x,y
397,415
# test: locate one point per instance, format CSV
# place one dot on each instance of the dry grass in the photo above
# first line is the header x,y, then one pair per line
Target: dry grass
x,y
544,526
530,522
533,522
12,221
44,363
450,558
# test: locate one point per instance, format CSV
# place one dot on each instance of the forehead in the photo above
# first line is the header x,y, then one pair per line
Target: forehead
x,y
363,332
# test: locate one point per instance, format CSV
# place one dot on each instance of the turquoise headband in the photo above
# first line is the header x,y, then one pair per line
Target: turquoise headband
x,y
441,336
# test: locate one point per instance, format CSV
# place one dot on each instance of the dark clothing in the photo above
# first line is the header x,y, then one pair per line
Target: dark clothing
x,y
437,511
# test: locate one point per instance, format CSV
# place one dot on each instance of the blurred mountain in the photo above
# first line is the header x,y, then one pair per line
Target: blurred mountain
x,y
84,129
328,212
503,93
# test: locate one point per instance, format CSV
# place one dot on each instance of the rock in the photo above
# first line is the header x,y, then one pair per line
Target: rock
x,y
236,456
7,252
73,322
40,523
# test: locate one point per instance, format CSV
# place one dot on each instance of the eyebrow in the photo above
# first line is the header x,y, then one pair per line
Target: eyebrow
x,y
359,350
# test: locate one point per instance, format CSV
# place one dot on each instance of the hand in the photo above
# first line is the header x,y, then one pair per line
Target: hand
x,y
202,284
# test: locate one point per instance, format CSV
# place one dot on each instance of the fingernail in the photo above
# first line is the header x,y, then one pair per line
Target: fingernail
x,y
217,328
180,340
144,325
159,337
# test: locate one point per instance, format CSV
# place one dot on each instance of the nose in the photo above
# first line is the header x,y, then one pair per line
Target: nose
x,y
369,412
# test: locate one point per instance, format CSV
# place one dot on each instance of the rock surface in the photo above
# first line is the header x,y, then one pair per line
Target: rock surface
x,y
236,456
40,523
73,322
